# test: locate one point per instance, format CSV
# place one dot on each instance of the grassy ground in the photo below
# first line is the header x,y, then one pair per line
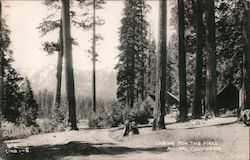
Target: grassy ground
x,y
225,140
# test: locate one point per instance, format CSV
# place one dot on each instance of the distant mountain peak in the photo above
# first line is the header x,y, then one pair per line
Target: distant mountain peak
x,y
45,78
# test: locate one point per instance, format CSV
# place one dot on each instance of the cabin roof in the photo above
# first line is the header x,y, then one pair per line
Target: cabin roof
x,y
228,88
172,98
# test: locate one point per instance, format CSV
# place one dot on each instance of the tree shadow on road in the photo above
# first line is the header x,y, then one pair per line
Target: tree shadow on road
x,y
51,152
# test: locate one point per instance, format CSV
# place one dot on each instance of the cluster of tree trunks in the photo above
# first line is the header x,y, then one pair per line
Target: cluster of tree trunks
x,y
211,64
69,68
130,128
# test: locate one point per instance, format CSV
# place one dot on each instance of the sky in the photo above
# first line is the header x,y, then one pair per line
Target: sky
x,y
24,16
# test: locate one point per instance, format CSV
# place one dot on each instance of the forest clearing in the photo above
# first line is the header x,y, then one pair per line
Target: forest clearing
x,y
230,138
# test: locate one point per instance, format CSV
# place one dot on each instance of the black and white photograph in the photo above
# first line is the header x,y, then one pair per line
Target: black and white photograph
x,y
124,80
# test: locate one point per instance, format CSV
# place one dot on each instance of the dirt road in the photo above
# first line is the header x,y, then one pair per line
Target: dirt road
x,y
218,139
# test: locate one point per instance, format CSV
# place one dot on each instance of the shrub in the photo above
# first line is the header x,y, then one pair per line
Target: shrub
x,y
116,114
45,125
11,130
106,117
99,121
59,118
137,114
228,113
57,121
27,117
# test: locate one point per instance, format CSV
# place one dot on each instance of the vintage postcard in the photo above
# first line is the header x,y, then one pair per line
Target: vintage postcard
x,y
124,79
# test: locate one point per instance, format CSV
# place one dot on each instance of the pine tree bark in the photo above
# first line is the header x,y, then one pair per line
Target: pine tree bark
x,y
197,106
59,71
94,58
211,85
160,94
143,90
1,62
67,50
132,83
94,86
131,91
182,62
246,62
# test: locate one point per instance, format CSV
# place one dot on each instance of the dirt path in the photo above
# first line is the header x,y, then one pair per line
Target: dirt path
x,y
106,144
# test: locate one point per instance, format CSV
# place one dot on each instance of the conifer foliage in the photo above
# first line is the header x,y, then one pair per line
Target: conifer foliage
x,y
29,109
16,101
133,48
11,94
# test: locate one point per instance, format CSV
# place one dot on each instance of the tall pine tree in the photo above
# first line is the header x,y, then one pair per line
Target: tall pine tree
x,y
246,30
133,48
160,93
197,106
211,78
96,4
69,74
182,62
94,55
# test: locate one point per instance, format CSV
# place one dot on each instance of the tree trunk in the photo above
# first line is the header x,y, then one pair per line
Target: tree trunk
x,y
182,62
1,62
143,90
132,83
197,106
69,74
160,94
131,91
211,86
94,86
246,62
59,71
94,59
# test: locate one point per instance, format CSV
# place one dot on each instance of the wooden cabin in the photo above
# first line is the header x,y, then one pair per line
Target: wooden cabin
x,y
228,98
171,104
